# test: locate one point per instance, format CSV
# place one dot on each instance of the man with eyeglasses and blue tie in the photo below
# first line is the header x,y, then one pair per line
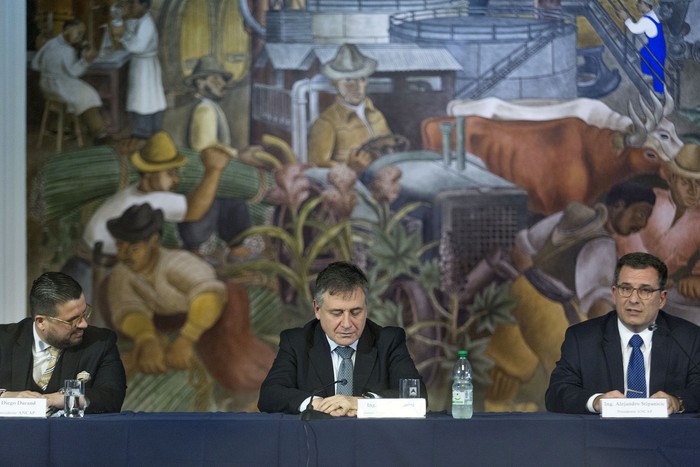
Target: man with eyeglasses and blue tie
x,y
56,343
636,350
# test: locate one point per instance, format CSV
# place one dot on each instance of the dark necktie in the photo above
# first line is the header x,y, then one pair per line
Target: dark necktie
x,y
636,378
345,370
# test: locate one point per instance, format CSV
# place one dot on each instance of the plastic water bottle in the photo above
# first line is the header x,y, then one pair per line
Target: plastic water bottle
x,y
462,387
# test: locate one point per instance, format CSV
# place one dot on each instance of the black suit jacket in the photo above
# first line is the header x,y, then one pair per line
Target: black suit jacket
x,y
591,362
304,364
97,354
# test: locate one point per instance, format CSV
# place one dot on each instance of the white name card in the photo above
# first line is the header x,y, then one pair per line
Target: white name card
x,y
22,407
391,408
634,408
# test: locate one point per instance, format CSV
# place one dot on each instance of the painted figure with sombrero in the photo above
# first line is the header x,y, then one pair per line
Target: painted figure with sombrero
x,y
352,119
168,301
566,263
672,232
199,214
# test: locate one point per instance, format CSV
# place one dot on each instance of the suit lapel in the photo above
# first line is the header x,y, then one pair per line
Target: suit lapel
x,y
613,353
320,359
365,360
22,357
66,368
660,356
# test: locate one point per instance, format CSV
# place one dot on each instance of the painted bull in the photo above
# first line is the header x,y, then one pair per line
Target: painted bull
x,y
565,159
654,130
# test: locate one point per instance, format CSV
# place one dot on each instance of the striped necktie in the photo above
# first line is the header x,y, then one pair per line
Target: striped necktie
x,y
46,375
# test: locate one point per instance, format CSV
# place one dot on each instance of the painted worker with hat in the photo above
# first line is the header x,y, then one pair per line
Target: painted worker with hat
x,y
199,214
672,232
352,119
566,264
150,281
208,123
167,301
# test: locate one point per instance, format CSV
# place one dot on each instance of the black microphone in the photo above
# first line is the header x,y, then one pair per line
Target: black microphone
x,y
663,331
312,414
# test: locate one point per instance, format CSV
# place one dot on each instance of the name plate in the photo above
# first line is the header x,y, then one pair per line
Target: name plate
x,y
23,407
391,408
634,408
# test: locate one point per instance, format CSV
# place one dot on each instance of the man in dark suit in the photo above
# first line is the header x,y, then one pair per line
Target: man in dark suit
x,y
598,357
308,360
39,353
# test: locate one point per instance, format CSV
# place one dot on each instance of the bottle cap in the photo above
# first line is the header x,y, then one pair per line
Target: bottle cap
x,y
462,353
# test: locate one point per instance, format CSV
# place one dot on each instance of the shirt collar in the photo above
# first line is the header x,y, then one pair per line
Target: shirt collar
x,y
39,345
626,334
333,344
359,108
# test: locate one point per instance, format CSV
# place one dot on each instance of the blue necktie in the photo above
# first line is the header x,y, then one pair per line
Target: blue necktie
x,y
345,370
636,378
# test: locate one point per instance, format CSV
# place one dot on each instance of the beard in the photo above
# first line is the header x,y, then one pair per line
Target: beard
x,y
75,337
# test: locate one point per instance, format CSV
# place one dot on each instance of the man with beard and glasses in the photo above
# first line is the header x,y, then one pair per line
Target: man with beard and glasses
x,y
56,343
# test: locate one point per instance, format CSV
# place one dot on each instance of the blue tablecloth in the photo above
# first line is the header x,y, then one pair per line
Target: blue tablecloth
x,y
250,439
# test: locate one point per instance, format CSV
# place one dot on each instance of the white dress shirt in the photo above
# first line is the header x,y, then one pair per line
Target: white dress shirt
x,y
40,352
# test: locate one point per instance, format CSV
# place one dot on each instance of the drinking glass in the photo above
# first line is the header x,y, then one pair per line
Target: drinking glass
x,y
409,388
73,390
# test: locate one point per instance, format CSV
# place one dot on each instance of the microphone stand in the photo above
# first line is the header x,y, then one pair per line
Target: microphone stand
x,y
312,414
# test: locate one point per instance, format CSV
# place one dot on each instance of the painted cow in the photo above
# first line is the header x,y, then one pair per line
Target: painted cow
x,y
573,157
654,130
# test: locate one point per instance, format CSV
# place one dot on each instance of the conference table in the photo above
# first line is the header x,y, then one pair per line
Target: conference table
x,y
255,439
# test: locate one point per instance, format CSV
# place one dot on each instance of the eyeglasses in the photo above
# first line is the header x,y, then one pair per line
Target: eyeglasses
x,y
73,323
644,293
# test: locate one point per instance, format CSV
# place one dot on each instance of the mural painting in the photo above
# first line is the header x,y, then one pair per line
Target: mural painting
x,y
484,162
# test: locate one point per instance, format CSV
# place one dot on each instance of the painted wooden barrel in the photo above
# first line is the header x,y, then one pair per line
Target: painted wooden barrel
x,y
190,29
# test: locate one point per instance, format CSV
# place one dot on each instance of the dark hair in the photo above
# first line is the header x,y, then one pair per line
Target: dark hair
x,y
145,3
630,193
641,260
340,277
50,290
70,22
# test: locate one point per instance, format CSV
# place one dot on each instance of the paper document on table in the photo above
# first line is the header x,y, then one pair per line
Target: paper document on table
x,y
391,408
